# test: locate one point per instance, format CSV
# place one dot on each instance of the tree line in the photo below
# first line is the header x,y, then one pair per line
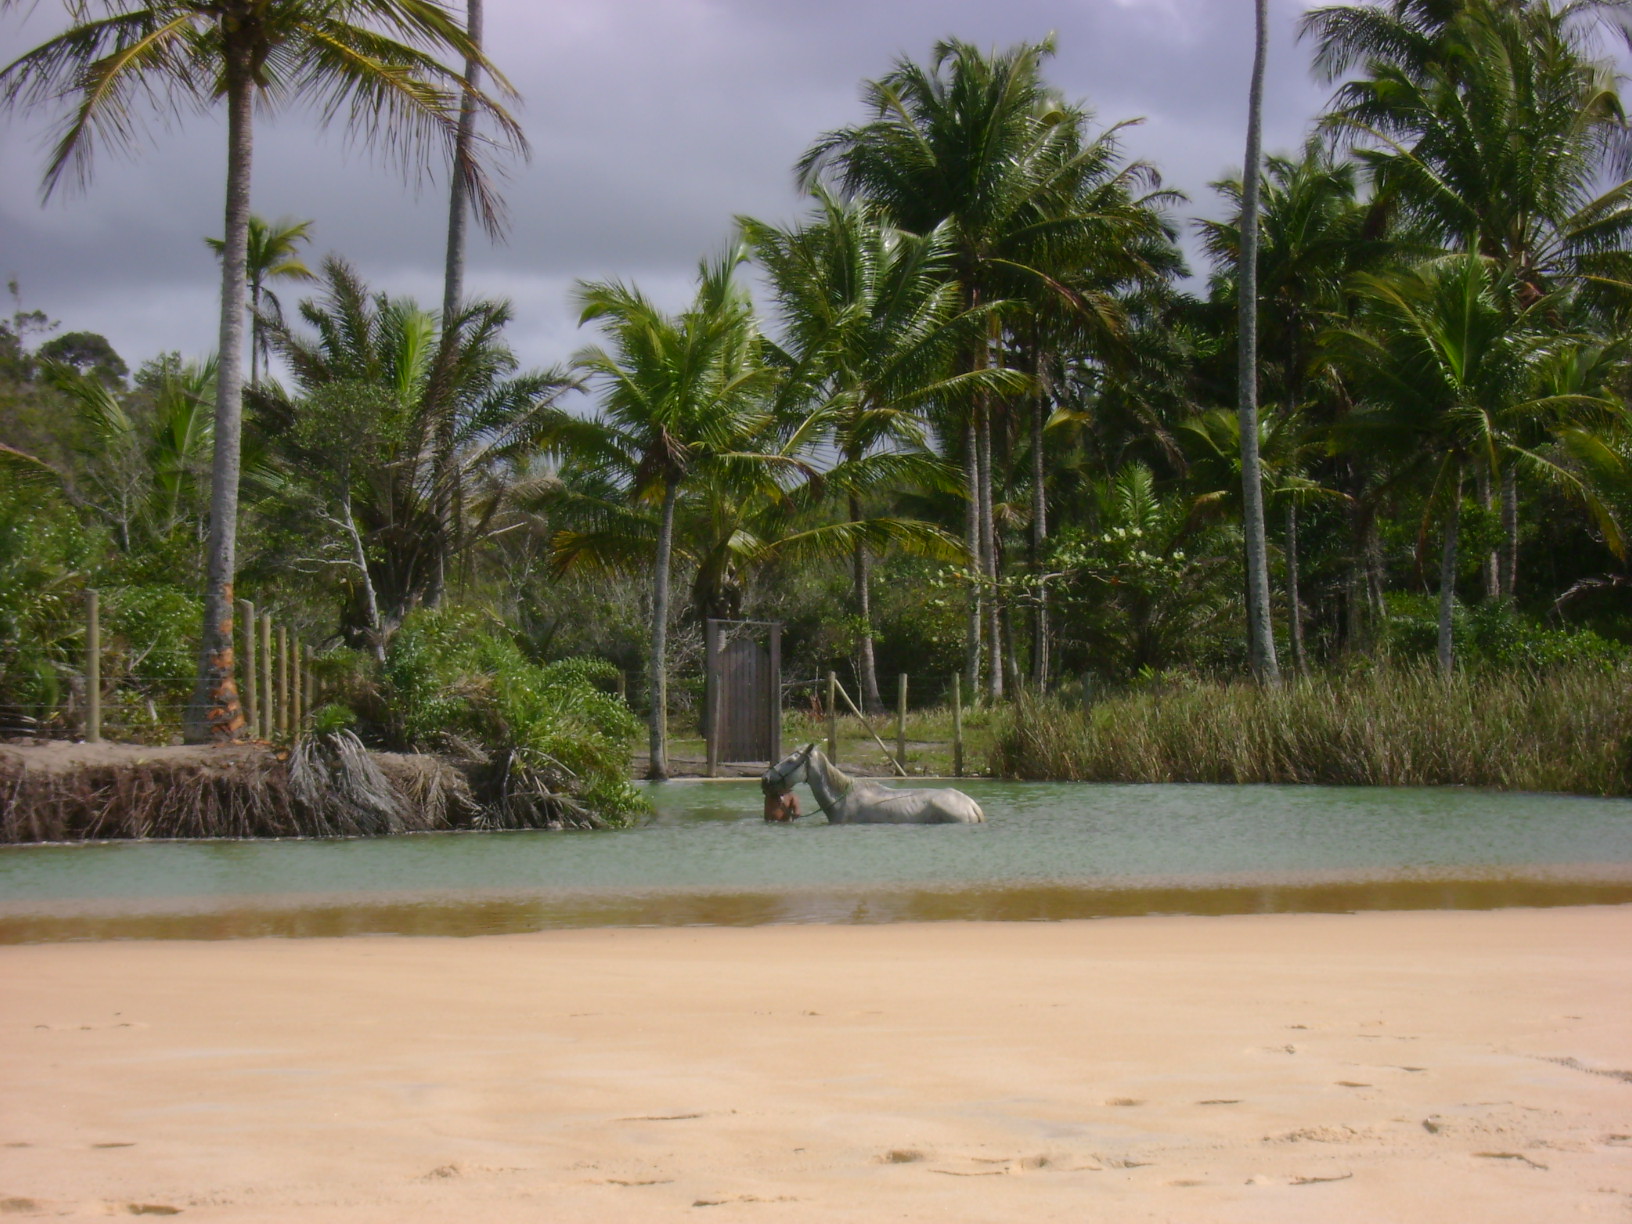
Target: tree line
x,y
978,419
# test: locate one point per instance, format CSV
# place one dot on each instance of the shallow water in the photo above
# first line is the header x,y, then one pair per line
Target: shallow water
x,y
1050,850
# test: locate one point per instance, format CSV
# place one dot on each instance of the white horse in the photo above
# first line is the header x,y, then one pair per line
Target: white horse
x,y
847,800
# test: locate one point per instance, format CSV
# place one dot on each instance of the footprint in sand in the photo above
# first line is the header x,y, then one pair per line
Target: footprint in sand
x,y
900,1156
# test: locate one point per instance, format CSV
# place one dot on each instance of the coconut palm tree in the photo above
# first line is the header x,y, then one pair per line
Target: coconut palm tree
x,y
272,255
873,328
1493,127
1260,632
372,61
980,144
677,392
1312,237
1448,380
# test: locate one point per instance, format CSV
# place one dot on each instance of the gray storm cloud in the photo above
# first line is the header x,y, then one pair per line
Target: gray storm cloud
x,y
652,125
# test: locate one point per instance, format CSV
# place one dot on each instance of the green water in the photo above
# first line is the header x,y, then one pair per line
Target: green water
x,y
1050,850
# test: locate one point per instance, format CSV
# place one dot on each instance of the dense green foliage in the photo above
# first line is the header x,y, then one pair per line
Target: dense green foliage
x,y
985,427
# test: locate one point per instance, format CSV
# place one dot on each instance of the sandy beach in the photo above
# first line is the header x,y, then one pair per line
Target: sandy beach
x,y
1428,1066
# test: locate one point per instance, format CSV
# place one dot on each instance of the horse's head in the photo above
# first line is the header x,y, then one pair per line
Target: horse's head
x,y
780,778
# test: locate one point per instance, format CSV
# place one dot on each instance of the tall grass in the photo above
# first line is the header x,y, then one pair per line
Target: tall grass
x,y
1568,730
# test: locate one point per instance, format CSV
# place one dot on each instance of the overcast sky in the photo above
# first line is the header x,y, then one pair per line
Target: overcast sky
x,y
653,123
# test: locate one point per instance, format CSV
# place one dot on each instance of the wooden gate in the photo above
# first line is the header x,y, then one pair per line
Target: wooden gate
x,y
743,701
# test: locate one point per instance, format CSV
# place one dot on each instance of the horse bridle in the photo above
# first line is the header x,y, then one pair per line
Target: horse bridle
x,y
774,776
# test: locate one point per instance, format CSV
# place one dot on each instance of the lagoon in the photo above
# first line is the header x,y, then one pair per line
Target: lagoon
x,y
1050,850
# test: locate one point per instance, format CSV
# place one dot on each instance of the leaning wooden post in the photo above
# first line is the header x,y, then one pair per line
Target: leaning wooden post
x,y
250,696
283,680
957,725
833,717
93,668
268,697
901,721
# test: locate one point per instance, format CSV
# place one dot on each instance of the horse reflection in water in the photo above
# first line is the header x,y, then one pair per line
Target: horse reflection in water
x,y
847,800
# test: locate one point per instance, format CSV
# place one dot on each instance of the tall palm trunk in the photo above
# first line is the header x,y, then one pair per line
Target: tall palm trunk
x,y
1490,565
1039,540
1447,577
449,495
213,713
657,681
1507,557
861,579
972,629
453,274
1260,636
988,553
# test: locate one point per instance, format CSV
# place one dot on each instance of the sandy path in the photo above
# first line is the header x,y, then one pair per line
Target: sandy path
x,y
1424,1067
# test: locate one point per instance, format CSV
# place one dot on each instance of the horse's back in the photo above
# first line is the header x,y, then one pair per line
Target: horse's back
x,y
875,804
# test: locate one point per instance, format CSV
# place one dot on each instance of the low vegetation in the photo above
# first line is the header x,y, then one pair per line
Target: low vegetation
x,y
1567,729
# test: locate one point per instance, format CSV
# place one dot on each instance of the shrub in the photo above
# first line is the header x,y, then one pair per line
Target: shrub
x,y
555,743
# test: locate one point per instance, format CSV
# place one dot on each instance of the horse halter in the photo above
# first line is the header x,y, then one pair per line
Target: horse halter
x,y
775,778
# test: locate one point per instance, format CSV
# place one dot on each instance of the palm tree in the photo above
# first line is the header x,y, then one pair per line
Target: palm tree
x,y
1260,633
272,255
676,393
374,61
873,326
980,144
142,470
357,440
1444,372
1493,127
1311,239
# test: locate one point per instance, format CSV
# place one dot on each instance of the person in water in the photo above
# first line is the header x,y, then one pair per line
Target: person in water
x,y
781,808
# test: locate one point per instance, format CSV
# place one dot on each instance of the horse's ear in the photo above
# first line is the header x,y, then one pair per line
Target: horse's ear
x,y
809,748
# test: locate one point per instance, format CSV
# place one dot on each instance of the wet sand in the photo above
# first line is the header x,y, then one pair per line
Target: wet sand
x,y
1394,1066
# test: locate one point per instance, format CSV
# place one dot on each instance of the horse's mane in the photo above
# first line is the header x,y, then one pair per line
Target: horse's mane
x,y
842,782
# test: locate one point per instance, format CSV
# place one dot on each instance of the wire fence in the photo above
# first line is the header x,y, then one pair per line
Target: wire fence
x,y
81,685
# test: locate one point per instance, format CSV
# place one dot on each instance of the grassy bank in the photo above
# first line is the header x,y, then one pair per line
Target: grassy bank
x,y
1567,731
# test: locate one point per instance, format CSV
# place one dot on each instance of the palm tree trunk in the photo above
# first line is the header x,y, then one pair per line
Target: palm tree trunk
x,y
1260,635
453,275
861,575
972,630
988,555
1507,556
1447,578
1490,567
657,681
449,496
1039,540
1294,604
213,713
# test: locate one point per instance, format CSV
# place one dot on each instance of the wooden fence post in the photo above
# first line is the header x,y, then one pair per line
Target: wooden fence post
x,y
268,696
901,721
251,693
833,717
93,667
957,725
